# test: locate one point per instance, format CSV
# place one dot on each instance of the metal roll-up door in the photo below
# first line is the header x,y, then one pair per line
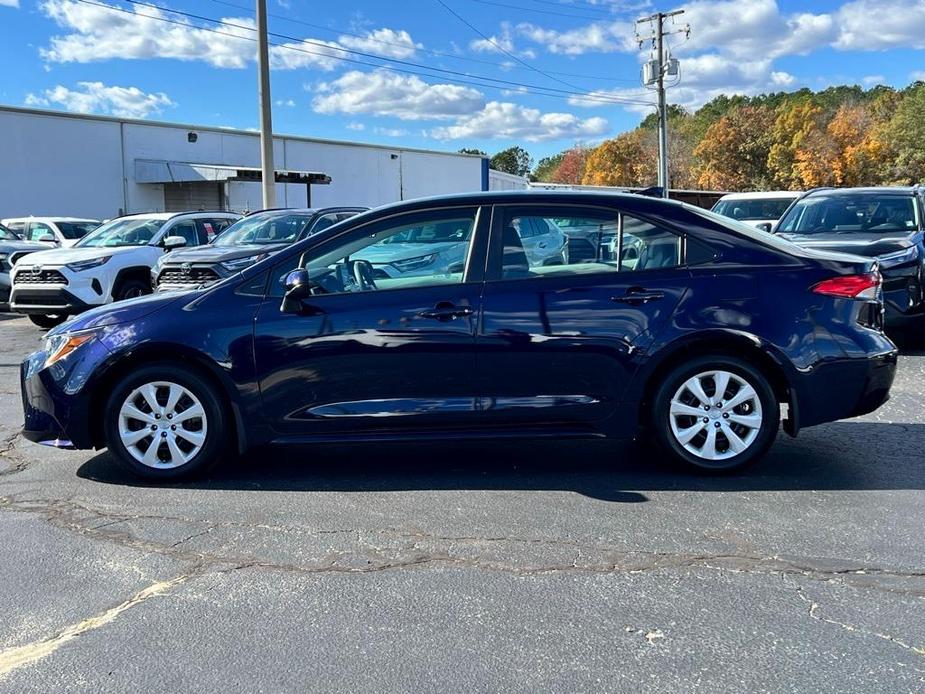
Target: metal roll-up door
x,y
192,196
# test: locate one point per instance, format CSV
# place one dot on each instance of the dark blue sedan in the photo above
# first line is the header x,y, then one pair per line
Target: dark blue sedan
x,y
700,335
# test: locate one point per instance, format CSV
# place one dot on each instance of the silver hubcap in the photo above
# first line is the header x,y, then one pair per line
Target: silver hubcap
x,y
162,425
715,415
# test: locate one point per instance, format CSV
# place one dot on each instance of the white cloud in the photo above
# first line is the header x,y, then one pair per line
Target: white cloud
x,y
9,3
385,42
599,37
402,96
495,44
99,33
391,132
96,97
876,25
354,125
510,121
917,76
290,103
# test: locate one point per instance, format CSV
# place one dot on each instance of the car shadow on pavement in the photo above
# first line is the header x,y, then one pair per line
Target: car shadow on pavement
x,y
852,455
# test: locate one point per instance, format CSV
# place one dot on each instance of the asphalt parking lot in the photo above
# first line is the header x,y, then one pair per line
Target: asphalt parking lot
x,y
514,567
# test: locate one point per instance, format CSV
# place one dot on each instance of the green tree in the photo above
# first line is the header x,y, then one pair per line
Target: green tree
x,y
513,160
470,150
546,167
904,135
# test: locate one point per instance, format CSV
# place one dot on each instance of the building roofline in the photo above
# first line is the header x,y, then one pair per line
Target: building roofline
x,y
216,129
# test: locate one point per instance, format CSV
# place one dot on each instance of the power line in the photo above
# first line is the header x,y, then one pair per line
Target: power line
x,y
502,48
539,11
502,85
394,44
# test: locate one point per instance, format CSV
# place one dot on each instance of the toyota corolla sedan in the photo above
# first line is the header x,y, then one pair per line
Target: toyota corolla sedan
x,y
705,343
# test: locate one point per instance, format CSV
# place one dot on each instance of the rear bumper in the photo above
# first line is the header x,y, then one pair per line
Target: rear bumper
x,y
844,388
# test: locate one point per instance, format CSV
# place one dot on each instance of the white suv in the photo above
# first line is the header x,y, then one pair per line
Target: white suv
x,y
109,264
51,231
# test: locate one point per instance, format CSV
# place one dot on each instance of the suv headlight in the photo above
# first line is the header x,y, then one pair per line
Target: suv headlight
x,y
241,263
414,263
81,265
898,257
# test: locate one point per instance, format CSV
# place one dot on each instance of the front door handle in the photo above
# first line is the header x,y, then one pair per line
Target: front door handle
x,y
637,297
445,311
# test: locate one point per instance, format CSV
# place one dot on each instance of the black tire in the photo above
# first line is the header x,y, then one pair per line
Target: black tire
x,y
660,416
47,322
131,288
215,446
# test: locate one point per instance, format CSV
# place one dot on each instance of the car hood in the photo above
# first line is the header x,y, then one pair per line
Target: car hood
x,y
127,311
62,256
389,253
868,245
16,246
218,254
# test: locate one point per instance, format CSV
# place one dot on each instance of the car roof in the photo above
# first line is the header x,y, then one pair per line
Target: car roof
x,y
762,195
867,190
10,220
175,215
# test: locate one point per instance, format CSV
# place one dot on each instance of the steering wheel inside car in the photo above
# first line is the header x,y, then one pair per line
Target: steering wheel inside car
x,y
363,274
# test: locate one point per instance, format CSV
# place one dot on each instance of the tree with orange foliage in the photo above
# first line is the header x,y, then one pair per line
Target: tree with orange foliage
x,y
623,161
734,151
794,123
572,167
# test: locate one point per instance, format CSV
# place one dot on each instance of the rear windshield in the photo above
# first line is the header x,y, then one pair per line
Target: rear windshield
x,y
862,213
76,230
753,210
263,229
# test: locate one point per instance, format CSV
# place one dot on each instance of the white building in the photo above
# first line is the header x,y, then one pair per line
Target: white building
x,y
54,163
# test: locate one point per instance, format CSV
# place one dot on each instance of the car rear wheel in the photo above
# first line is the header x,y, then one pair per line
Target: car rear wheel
x,y
165,422
715,414
47,322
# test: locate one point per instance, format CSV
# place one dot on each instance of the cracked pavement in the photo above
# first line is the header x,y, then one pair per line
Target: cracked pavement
x,y
514,566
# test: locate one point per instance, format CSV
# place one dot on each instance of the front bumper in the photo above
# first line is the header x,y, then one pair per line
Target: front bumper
x,y
47,300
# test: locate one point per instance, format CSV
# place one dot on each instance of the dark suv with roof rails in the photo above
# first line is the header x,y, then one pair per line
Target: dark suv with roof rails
x,y
886,223
241,245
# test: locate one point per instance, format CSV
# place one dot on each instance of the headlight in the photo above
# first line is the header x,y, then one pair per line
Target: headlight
x,y
414,263
57,347
241,263
82,265
898,257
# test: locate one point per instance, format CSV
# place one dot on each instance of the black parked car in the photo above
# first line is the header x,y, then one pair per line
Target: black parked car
x,y
242,244
883,223
703,334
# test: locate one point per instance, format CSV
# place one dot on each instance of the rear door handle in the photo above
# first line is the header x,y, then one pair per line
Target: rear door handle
x,y
445,311
635,298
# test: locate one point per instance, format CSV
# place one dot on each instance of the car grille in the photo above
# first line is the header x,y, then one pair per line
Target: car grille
x,y
580,250
44,276
39,300
194,275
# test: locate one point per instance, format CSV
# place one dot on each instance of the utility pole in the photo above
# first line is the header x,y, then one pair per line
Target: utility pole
x,y
654,73
267,170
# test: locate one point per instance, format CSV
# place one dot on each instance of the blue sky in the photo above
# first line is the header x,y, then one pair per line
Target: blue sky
x,y
541,73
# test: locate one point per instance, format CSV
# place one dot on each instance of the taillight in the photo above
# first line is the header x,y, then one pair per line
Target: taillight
x,y
850,286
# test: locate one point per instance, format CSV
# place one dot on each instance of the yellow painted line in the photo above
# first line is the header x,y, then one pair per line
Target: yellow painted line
x,y
19,656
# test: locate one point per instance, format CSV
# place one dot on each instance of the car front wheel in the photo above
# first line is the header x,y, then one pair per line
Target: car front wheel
x,y
715,414
165,422
47,322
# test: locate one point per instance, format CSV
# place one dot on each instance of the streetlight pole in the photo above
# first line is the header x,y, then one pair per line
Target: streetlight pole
x,y
267,170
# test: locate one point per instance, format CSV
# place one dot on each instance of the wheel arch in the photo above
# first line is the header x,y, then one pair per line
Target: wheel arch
x,y
132,272
152,353
733,343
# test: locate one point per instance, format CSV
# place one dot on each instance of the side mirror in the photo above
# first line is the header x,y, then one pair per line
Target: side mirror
x,y
298,287
172,242
48,238
765,226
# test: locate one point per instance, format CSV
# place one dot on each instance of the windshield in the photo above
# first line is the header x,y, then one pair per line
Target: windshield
x,y
442,232
122,232
845,214
7,235
753,210
76,230
262,229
